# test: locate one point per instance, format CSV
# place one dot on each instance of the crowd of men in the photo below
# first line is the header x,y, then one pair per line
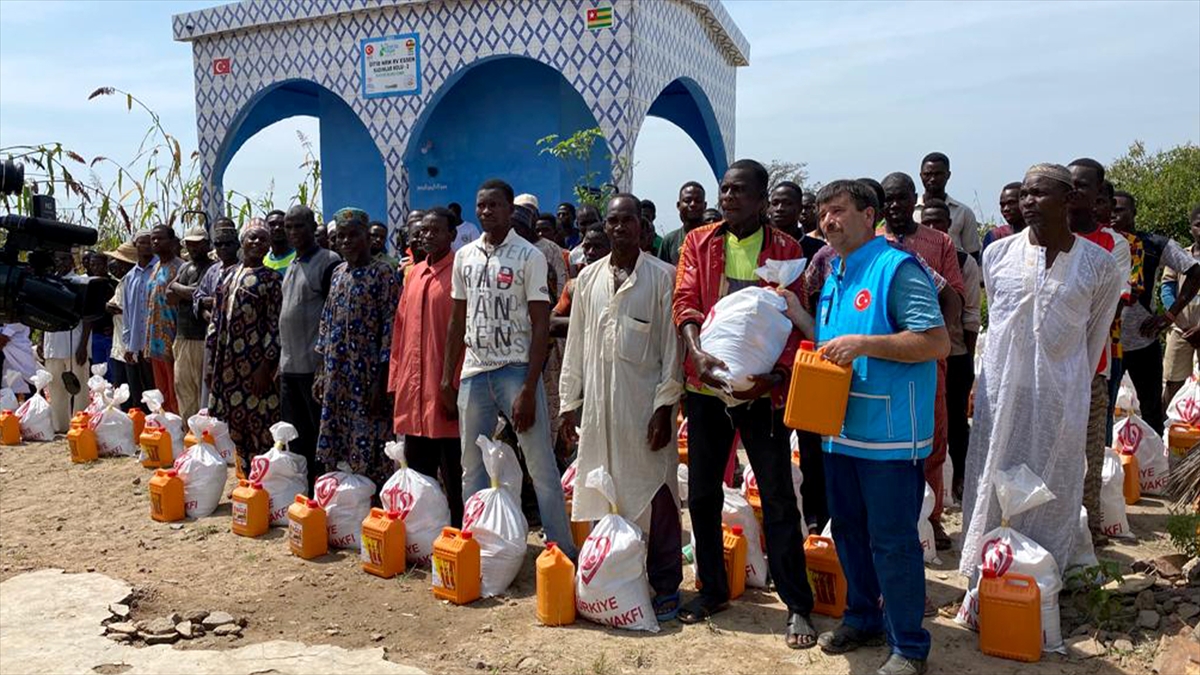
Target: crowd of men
x,y
579,333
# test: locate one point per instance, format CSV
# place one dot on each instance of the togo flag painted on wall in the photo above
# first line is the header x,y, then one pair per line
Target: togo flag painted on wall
x,y
599,17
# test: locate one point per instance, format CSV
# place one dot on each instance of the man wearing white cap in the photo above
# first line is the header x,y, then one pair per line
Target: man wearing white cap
x,y
1051,300
190,328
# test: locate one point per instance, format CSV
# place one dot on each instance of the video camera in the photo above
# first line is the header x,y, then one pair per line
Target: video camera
x,y
30,293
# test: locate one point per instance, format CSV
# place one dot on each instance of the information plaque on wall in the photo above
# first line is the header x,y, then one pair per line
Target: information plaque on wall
x,y
391,65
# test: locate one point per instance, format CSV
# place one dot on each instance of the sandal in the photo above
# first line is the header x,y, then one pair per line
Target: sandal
x,y
845,639
700,609
800,632
666,607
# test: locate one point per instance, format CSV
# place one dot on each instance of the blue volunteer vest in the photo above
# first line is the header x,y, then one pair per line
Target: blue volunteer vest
x,y
890,412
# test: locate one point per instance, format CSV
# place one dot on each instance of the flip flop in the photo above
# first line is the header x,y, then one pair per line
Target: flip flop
x,y
700,609
801,629
666,607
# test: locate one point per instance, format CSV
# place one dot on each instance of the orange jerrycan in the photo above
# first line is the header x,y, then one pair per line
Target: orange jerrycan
x,y
818,393
735,560
10,428
81,440
139,421
156,443
555,587
1133,483
251,509
189,439
457,575
825,576
580,529
166,496
1181,438
307,536
382,549
1010,616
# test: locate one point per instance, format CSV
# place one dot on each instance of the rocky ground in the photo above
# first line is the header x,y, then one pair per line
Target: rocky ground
x,y
198,586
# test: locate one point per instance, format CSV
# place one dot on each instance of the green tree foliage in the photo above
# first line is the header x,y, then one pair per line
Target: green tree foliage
x,y
576,152
1166,185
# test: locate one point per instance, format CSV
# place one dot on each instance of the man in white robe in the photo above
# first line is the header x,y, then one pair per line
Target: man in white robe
x,y
622,368
1051,300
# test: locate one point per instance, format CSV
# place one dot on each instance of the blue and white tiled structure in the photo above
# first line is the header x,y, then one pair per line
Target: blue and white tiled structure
x,y
494,76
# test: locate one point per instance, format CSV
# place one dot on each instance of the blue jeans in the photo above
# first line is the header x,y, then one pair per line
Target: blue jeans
x,y
874,506
482,399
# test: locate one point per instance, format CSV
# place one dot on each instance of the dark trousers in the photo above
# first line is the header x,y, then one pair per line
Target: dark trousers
x,y
875,505
812,491
664,565
141,379
431,455
711,427
960,375
1145,368
301,410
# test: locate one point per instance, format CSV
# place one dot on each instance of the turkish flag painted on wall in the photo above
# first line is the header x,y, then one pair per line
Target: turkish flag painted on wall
x,y
221,66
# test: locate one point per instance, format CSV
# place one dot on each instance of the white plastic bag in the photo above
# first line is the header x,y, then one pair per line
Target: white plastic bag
x,y
1185,406
747,330
506,470
925,528
97,388
222,441
1127,398
1084,553
283,474
1112,496
203,473
568,480
114,429
737,511
421,503
162,419
1132,434
1006,550
8,397
750,481
681,475
37,424
493,516
612,587
346,498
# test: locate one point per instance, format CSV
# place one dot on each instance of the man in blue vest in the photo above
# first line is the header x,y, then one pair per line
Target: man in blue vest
x,y
879,312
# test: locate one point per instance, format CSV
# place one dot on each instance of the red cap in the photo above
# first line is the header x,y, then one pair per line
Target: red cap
x,y
550,546
171,473
393,514
257,485
466,534
312,504
989,573
737,530
807,345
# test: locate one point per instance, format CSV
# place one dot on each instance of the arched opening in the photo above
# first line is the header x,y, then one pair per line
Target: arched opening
x,y
684,104
665,158
485,121
270,163
352,170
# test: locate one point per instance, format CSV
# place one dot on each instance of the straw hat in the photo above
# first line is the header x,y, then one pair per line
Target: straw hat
x,y
126,253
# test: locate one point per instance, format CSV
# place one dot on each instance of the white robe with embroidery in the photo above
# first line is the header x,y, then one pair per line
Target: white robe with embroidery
x,y
1046,331
622,363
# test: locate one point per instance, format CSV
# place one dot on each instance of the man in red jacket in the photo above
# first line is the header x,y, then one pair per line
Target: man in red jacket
x,y
716,260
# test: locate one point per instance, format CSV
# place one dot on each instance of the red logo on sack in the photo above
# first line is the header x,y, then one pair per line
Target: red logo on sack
x,y
997,556
1189,409
472,511
597,549
324,489
399,500
1130,437
181,460
862,300
751,481
259,466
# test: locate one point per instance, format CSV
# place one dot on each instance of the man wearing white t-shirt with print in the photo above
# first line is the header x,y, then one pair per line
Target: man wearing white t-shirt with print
x,y
502,318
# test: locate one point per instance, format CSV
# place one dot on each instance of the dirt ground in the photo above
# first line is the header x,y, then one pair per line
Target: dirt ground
x,y
95,517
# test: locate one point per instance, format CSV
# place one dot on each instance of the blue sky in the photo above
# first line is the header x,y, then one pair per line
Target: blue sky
x,y
853,89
